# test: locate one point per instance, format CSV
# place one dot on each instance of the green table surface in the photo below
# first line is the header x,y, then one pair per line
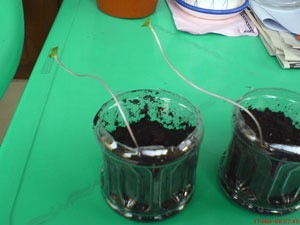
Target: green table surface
x,y
50,160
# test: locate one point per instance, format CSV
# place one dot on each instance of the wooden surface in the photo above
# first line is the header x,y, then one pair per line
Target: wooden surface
x,y
39,16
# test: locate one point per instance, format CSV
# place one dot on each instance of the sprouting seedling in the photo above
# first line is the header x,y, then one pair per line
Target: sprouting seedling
x,y
147,23
53,54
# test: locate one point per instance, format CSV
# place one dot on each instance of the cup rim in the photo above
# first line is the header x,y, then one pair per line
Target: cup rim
x,y
256,142
133,150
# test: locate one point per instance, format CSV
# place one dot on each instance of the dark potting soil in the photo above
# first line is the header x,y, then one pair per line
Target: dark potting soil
x,y
252,179
150,133
152,198
276,127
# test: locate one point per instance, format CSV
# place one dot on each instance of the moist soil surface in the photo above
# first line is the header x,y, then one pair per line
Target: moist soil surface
x,y
150,133
276,127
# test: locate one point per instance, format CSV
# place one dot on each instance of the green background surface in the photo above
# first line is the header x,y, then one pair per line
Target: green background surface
x,y
50,160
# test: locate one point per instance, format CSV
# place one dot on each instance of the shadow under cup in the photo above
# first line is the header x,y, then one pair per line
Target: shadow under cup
x,y
264,177
148,182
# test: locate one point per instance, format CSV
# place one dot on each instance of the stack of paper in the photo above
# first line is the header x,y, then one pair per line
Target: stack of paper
x,y
283,45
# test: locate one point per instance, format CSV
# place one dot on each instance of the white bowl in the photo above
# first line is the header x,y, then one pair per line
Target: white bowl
x,y
213,9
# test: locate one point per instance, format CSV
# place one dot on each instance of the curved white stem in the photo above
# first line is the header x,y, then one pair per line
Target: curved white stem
x,y
107,88
148,24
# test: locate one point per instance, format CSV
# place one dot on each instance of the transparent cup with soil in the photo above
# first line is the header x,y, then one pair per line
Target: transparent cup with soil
x,y
264,175
155,179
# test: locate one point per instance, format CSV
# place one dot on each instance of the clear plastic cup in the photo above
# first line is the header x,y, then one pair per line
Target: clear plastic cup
x,y
149,182
263,177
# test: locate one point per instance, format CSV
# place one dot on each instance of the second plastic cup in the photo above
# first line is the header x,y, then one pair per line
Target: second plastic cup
x,y
156,181
264,176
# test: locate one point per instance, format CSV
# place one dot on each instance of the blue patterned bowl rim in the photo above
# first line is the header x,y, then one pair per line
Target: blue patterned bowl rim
x,y
213,11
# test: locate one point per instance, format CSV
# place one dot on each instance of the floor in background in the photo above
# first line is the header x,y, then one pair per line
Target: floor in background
x,y
9,102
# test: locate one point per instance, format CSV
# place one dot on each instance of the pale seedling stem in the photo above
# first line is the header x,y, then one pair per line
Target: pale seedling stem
x,y
53,54
148,24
